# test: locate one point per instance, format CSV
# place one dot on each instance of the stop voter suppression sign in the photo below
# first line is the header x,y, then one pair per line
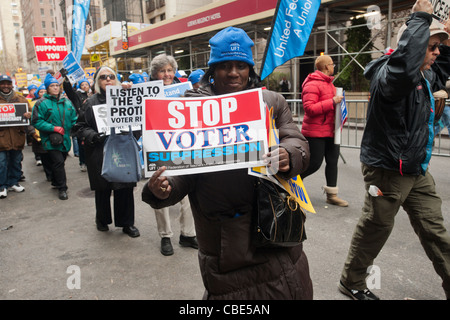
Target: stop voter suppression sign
x,y
50,48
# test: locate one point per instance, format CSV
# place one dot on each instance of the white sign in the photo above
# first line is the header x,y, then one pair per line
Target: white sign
x,y
125,105
204,134
440,9
100,114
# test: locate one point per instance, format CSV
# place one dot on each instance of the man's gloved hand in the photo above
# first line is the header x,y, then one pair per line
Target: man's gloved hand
x,y
99,137
60,130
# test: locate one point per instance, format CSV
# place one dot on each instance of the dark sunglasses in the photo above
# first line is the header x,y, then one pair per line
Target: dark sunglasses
x,y
105,76
433,47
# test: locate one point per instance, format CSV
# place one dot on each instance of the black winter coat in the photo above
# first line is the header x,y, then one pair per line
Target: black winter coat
x,y
231,267
398,133
86,129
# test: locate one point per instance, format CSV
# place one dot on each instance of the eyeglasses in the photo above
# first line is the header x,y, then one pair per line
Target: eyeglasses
x,y
105,76
433,47
331,64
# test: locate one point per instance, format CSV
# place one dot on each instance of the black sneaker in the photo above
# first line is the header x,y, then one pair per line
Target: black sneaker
x,y
166,247
188,242
365,294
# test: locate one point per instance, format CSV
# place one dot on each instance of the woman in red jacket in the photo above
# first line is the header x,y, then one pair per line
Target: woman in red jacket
x,y
319,101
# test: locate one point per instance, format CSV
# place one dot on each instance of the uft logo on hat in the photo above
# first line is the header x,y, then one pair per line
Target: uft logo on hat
x,y
234,46
231,44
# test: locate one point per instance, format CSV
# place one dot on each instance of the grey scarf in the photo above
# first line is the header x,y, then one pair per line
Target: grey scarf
x,y
7,96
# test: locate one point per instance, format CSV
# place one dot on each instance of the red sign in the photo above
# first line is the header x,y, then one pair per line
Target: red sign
x,y
192,113
50,48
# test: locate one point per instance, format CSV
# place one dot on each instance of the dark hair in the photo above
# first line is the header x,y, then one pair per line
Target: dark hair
x,y
253,82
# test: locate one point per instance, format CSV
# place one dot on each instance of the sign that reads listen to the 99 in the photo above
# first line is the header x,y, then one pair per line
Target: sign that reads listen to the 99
x,y
124,106
50,48
204,134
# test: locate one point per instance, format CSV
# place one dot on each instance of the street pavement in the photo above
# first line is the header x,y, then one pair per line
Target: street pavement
x,y
50,249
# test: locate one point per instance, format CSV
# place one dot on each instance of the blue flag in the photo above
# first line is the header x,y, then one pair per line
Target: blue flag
x,y
80,13
291,27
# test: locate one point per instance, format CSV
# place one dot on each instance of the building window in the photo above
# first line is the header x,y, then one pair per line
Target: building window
x,y
43,24
42,12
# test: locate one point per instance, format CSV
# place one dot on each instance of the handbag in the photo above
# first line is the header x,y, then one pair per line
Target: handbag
x,y
121,158
279,221
55,138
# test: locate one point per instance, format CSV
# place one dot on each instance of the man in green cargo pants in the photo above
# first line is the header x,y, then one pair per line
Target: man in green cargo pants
x,y
396,150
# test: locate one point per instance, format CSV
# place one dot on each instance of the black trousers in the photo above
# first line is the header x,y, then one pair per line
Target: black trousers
x,y
321,148
57,159
123,207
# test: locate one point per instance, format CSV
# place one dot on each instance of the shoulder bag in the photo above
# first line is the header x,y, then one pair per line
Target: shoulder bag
x,y
279,220
121,158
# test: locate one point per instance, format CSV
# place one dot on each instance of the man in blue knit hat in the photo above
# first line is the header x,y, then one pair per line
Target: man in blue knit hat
x,y
12,142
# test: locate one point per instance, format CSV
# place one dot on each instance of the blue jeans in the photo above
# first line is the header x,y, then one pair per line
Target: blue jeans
x,y
10,168
445,120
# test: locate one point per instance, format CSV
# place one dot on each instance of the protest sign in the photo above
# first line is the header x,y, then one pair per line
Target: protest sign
x,y
338,117
74,71
125,105
50,48
440,9
204,134
11,114
89,72
100,114
293,186
177,90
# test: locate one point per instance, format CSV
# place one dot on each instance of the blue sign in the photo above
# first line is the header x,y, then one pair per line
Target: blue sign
x,y
291,27
74,70
177,90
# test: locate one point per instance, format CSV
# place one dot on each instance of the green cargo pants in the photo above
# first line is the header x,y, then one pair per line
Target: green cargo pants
x,y
417,195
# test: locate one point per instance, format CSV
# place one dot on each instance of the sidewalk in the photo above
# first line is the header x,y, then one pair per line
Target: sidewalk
x,y
42,236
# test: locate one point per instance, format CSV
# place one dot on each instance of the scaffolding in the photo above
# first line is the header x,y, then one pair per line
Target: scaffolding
x,y
328,37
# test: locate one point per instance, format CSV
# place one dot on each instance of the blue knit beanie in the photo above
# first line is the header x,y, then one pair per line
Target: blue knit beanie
x,y
136,78
49,79
41,87
196,76
231,44
81,81
31,87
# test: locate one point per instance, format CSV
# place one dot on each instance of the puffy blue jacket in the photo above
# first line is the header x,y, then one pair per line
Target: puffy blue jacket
x,y
399,129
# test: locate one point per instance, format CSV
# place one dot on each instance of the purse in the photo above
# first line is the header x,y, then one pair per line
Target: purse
x,y
279,221
55,138
121,158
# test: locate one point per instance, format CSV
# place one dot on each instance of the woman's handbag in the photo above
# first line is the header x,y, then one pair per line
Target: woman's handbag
x,y
279,220
121,158
55,138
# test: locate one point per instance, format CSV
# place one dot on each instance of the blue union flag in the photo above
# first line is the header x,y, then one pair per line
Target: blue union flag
x,y
80,13
291,27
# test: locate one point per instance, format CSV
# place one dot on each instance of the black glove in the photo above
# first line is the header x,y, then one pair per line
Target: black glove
x,y
63,72
98,138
